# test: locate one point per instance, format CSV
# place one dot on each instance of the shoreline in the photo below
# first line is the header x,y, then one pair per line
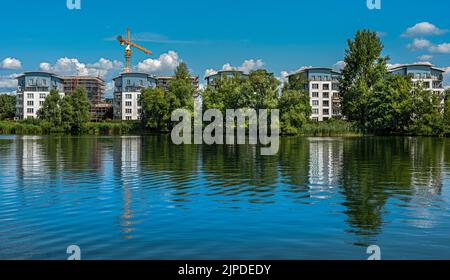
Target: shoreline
x,y
123,128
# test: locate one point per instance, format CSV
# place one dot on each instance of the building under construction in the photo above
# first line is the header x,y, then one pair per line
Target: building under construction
x,y
95,88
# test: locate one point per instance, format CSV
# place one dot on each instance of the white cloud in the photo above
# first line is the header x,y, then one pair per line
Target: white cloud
x,y
73,67
419,44
246,67
339,65
251,65
423,29
426,57
166,62
8,81
381,34
424,44
441,48
10,63
209,72
109,87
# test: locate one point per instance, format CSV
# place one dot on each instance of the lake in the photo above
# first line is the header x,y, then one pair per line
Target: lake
x,y
145,198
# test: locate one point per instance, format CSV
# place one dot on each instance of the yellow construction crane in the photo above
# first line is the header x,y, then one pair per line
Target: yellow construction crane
x,y
128,43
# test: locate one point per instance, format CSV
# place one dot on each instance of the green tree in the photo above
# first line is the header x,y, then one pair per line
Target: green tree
x,y
260,91
181,90
365,67
51,111
390,107
225,94
7,106
155,109
427,118
295,110
80,105
66,113
446,116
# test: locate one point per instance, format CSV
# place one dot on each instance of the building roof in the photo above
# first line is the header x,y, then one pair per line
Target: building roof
x,y
36,72
82,78
397,67
224,71
134,73
314,68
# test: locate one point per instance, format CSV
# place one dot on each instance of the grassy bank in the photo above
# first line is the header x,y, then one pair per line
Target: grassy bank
x,y
35,127
329,128
31,127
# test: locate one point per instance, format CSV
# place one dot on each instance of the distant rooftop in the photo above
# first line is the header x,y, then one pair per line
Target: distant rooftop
x,y
314,68
224,71
427,64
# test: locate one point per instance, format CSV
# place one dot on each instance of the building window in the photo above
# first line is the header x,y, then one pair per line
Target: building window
x,y
315,94
30,103
326,111
326,103
44,82
30,110
30,95
326,87
128,104
326,95
41,103
315,119
141,82
128,96
42,96
127,111
315,111
128,118
128,82
315,86
315,102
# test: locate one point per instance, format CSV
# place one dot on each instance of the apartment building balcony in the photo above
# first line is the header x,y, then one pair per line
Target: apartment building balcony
x,y
134,88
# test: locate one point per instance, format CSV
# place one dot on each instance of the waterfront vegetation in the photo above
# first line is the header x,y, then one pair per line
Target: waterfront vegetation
x,y
373,101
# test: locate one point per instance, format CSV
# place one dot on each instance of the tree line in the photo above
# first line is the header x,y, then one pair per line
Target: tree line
x,y
372,100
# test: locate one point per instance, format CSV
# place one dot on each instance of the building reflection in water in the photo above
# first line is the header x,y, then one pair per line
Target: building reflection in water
x,y
325,166
127,159
428,161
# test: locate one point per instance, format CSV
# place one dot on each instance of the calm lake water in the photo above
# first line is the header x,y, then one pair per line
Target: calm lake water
x,y
144,198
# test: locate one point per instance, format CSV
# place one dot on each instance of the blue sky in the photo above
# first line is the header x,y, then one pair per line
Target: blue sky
x,y
277,35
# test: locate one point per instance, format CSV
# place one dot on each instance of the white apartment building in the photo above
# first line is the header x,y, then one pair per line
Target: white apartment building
x,y
425,74
32,89
322,84
127,94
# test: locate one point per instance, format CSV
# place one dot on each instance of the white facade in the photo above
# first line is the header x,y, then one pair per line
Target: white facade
x,y
130,105
128,89
33,88
30,102
322,95
425,75
322,85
